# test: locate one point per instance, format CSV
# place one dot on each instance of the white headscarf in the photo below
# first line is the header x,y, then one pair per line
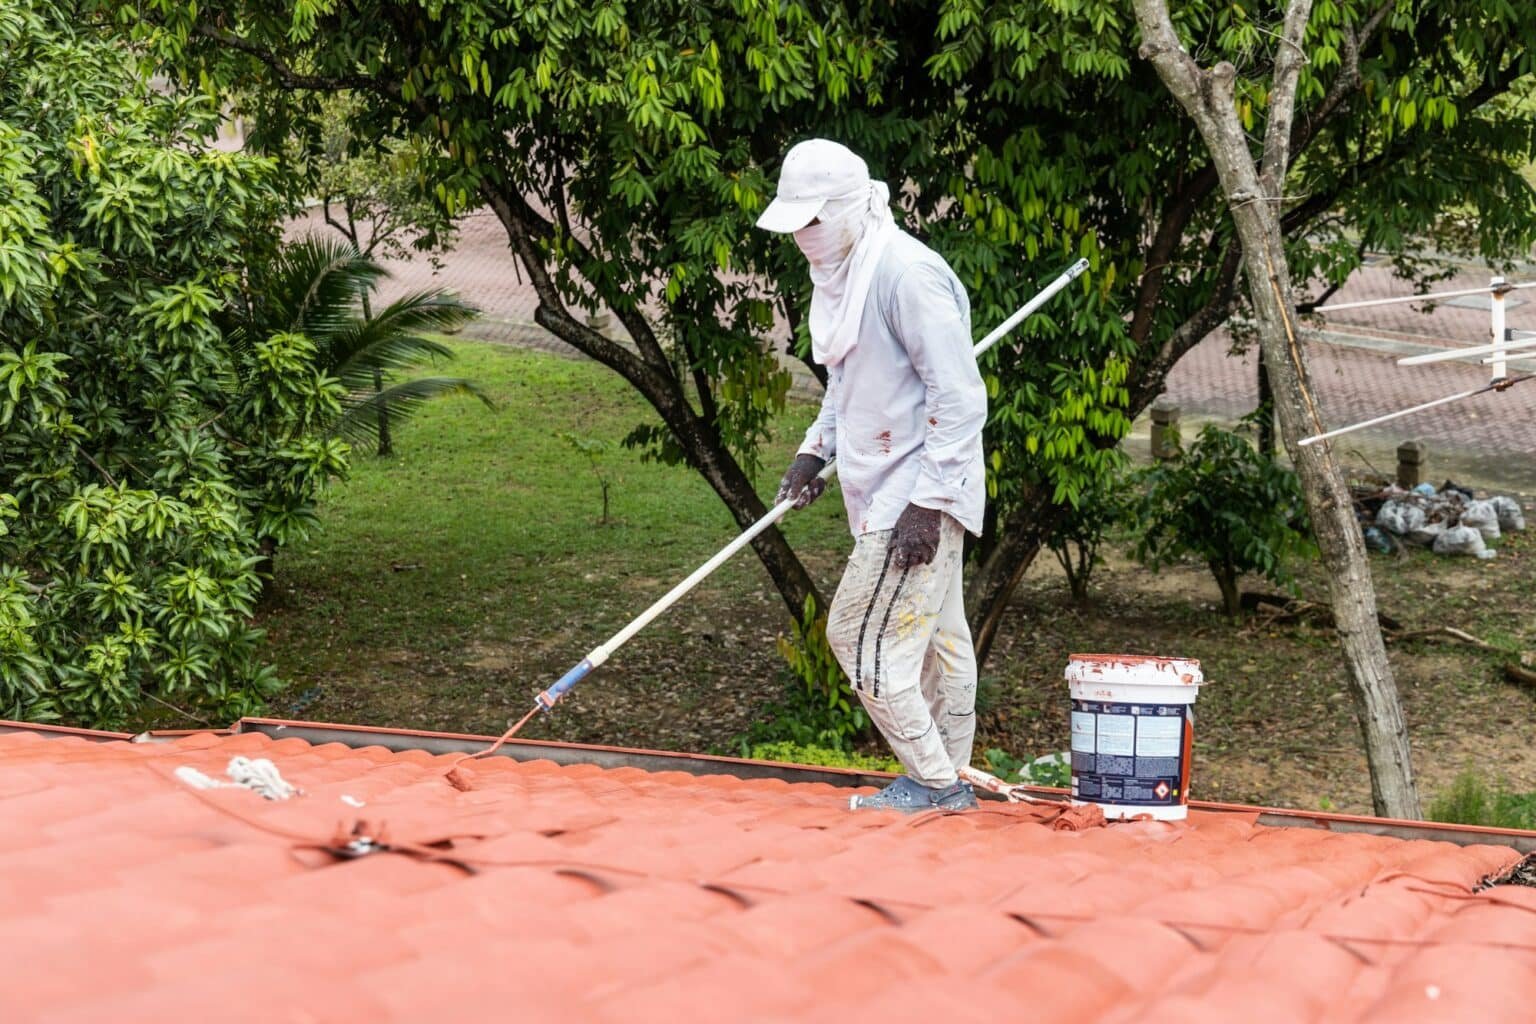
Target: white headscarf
x,y
843,250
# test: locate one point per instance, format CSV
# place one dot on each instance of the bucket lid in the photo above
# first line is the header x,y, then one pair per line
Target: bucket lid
x,y
1137,669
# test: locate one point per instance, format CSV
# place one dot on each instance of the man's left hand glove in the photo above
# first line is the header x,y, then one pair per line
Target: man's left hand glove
x,y
915,540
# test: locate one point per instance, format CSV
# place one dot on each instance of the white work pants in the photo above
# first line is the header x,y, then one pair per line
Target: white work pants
x,y
901,636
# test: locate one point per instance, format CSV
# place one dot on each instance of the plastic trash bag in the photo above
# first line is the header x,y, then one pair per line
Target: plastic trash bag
x,y
1426,534
1462,540
1378,541
1428,490
1400,517
1511,516
1481,516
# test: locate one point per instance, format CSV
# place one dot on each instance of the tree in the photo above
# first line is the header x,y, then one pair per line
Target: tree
x,y
320,289
626,151
140,454
372,193
1230,506
1104,506
1072,145
1254,183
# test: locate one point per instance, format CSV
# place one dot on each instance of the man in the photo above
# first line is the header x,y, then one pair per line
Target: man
x,y
903,413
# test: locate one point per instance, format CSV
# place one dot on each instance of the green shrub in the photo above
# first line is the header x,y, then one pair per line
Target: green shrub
x,y
145,452
819,708
1470,801
794,753
1223,502
1099,507
1050,770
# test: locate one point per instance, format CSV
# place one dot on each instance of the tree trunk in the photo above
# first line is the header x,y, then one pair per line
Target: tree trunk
x,y
1231,597
1010,557
1266,411
386,446
1253,196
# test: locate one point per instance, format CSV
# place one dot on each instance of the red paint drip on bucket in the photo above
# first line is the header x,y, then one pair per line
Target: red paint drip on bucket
x,y
1133,726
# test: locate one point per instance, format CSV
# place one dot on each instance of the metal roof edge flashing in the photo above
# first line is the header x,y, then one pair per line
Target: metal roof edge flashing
x,y
1396,828
562,753
60,731
745,768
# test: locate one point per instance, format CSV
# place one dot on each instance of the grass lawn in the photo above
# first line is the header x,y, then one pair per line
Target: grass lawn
x,y
453,581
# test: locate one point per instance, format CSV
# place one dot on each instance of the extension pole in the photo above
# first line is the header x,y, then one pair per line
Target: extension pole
x,y
603,651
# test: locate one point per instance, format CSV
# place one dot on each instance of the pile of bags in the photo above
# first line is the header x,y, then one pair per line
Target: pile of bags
x,y
1449,521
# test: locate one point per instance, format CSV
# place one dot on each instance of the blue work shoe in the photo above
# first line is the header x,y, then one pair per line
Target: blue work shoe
x,y
910,797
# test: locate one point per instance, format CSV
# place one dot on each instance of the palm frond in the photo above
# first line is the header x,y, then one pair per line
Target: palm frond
x,y
390,340
314,287
358,423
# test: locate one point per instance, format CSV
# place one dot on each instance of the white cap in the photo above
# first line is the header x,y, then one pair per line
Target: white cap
x,y
814,172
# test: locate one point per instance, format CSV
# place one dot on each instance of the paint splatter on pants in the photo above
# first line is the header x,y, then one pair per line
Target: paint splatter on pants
x,y
901,636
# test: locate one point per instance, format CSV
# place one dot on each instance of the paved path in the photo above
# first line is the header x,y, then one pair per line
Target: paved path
x,y
1488,441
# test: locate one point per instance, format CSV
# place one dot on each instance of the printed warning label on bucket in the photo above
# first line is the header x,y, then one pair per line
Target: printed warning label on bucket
x,y
1130,753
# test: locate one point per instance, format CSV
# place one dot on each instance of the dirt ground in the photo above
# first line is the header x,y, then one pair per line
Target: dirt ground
x,y
1274,722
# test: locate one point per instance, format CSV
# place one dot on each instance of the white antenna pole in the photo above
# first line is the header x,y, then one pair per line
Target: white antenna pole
x,y
1500,350
1457,354
1497,288
1390,416
1430,297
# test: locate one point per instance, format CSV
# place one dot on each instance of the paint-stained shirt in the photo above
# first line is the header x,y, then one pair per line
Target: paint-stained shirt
x,y
903,412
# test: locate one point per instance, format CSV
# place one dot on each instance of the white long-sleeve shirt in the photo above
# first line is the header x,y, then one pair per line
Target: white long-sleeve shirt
x,y
903,411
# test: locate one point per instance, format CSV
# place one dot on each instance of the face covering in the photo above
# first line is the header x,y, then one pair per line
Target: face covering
x,y
843,250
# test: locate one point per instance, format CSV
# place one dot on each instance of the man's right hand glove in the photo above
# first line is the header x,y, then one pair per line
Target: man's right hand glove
x,y
801,481
915,540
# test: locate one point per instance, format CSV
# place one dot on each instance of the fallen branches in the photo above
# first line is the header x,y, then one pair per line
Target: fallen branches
x,y
1276,609
1517,671
1447,632
1519,674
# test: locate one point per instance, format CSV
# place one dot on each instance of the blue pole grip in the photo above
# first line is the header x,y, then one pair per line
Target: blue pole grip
x,y
550,697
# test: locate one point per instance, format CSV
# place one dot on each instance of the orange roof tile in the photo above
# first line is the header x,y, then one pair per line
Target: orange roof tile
x,y
581,893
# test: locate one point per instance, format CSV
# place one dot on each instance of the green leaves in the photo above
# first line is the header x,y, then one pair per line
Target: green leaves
x,y
1223,502
128,540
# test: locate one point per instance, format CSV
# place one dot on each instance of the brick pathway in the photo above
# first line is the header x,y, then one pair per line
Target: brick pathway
x,y
1488,441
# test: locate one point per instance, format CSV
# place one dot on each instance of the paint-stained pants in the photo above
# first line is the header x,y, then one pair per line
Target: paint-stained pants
x,y
901,636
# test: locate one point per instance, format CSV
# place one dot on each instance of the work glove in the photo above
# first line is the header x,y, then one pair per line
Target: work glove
x,y
801,482
915,540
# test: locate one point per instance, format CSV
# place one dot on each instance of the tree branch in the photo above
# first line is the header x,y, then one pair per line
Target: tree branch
x,y
1160,45
1192,331
1318,203
707,404
1170,232
523,227
1289,61
87,457
289,78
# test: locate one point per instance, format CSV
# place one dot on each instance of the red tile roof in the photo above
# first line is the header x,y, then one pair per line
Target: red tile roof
x,y
580,893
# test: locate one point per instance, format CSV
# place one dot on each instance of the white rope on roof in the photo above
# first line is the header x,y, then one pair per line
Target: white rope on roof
x,y
259,775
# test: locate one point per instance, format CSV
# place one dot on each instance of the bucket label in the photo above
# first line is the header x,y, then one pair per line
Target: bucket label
x,y
1131,753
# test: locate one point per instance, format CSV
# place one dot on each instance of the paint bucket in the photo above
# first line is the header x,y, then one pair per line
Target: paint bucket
x,y
1133,727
